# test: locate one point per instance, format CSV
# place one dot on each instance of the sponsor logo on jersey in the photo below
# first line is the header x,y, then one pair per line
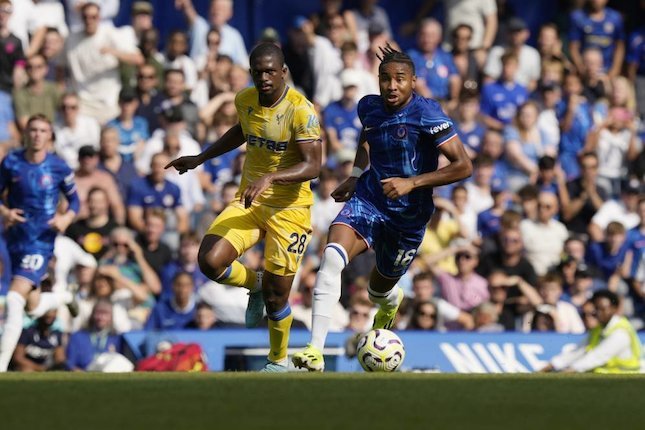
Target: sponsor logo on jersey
x,y
271,145
437,128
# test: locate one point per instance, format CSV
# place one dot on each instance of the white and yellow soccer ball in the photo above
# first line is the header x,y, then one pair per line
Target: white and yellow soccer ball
x,y
380,351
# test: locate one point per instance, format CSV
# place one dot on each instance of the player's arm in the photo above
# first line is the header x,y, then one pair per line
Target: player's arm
x,y
362,159
460,167
232,139
309,168
61,221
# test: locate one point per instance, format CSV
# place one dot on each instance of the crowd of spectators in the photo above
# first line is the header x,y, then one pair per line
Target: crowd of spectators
x,y
554,211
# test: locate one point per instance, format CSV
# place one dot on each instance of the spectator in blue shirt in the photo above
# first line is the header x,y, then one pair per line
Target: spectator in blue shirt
x,y
186,262
40,347
608,256
574,114
111,161
470,130
493,146
600,27
177,312
8,131
500,99
437,75
636,241
85,345
155,191
489,221
133,129
342,125
636,65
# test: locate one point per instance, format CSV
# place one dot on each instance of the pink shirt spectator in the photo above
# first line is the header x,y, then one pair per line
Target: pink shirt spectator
x,y
464,293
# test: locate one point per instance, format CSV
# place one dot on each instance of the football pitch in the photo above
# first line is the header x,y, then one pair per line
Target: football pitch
x,y
320,401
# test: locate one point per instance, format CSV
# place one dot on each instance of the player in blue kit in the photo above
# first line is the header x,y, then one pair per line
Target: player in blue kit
x,y
389,205
34,179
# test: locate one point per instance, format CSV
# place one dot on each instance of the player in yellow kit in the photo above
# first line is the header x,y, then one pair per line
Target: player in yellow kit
x,y
284,152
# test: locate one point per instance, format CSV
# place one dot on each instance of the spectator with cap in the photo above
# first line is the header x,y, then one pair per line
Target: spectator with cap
x,y
93,232
611,347
149,97
600,27
574,114
342,125
174,123
624,211
141,19
12,60
544,237
585,197
133,129
88,176
219,14
155,191
437,76
74,130
38,96
528,71
93,56
501,98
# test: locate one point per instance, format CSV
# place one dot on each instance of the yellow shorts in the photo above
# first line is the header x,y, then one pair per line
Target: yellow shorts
x,y
286,231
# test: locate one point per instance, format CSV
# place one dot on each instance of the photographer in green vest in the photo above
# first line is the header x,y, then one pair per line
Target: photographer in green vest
x,y
611,347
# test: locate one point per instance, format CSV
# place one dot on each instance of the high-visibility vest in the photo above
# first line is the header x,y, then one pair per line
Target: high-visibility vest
x,y
617,364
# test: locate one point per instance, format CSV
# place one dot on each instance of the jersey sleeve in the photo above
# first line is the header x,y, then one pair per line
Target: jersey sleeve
x,y
241,113
437,125
633,48
619,28
306,126
68,187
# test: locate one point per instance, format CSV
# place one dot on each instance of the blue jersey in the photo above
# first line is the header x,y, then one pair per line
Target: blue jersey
x,y
345,122
35,188
488,224
636,50
146,195
166,316
39,345
435,71
573,140
402,144
636,244
130,136
221,168
601,34
500,100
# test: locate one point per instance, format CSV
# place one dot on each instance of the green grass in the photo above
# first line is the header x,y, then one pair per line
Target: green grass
x,y
320,401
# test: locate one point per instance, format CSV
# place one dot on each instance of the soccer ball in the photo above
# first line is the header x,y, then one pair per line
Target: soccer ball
x,y
380,351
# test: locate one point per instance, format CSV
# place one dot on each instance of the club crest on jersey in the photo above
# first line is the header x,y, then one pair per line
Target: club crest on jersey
x,y
278,118
401,132
45,181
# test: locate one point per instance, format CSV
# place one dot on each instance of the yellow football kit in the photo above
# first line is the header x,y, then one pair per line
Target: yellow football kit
x,y
281,215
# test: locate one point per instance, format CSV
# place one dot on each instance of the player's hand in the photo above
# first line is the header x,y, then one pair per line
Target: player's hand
x,y
253,190
395,188
14,216
184,164
60,222
345,190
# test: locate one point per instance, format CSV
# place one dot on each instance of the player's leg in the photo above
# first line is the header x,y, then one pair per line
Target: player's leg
x,y
288,232
234,231
16,300
394,250
44,299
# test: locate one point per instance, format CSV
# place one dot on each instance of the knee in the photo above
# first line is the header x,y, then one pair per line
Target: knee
x,y
209,264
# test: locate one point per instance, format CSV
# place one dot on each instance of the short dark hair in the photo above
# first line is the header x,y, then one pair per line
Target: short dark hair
x,y
168,72
422,276
483,160
606,294
546,163
391,55
267,49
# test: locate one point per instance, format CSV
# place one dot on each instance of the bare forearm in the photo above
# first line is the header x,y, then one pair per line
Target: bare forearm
x,y
490,30
132,58
232,139
619,56
149,276
362,157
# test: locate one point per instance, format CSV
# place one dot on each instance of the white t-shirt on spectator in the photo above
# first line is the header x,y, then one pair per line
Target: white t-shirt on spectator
x,y
23,11
95,76
612,152
69,141
109,10
154,145
472,13
569,320
187,65
613,210
543,243
189,186
549,127
324,212
326,65
229,303
478,199
120,319
49,14
529,64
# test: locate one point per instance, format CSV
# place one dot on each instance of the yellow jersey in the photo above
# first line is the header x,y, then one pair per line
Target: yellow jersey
x,y
272,134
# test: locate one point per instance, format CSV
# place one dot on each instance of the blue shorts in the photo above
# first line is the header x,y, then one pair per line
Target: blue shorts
x,y
30,265
395,248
